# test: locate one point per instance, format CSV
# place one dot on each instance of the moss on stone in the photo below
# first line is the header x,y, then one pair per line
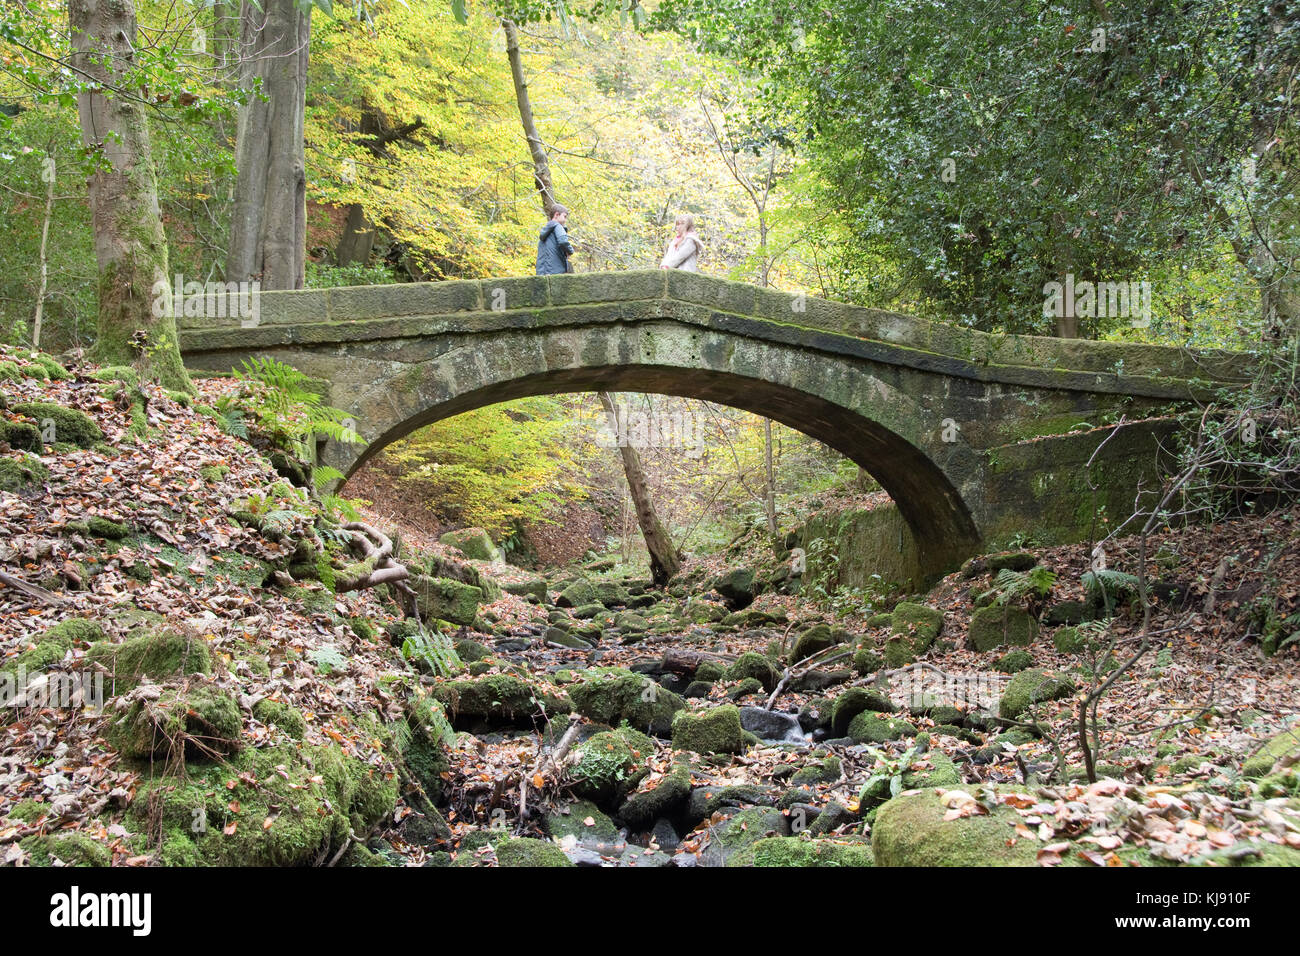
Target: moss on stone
x,y
613,695
658,797
517,852
997,625
867,661
499,696
1283,745
158,654
801,852
605,767
710,672
16,474
282,715
914,627
1029,687
70,424
1013,662
474,543
290,805
854,701
577,594
746,688
23,436
572,821
202,722
870,727
70,849
910,830
753,664
1068,640
444,599
713,731
824,771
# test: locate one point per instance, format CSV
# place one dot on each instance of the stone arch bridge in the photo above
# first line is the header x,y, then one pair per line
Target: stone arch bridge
x,y
974,436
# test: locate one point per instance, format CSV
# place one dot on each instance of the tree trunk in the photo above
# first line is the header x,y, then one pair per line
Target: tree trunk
x,y
49,176
769,492
541,166
268,227
130,247
358,239
664,559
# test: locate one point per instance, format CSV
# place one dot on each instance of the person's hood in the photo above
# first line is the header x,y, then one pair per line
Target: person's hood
x,y
547,230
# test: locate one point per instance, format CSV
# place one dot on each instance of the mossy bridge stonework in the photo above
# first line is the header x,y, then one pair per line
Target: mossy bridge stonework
x,y
965,430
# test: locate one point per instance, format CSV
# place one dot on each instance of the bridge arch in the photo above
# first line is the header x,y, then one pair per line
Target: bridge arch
x,y
865,417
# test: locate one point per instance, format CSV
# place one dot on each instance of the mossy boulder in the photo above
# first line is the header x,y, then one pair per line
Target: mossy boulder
x,y
528,587
713,731
753,664
445,599
746,688
203,723
611,696
53,645
657,797
611,593
70,425
23,436
472,542
736,586
608,765
1068,640
1010,561
867,660
999,625
630,622
17,474
932,769
286,805
70,849
854,701
824,771
508,851
910,830
816,639
1013,662
1066,612
1261,763
577,594
914,629
870,727
710,671
700,611
572,822
157,654
422,747
801,852
281,715
1030,687
499,697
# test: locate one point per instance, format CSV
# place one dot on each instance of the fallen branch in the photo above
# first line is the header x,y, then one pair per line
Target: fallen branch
x,y
553,758
31,590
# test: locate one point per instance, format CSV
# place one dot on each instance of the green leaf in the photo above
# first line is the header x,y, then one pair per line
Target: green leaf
x,y
459,12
